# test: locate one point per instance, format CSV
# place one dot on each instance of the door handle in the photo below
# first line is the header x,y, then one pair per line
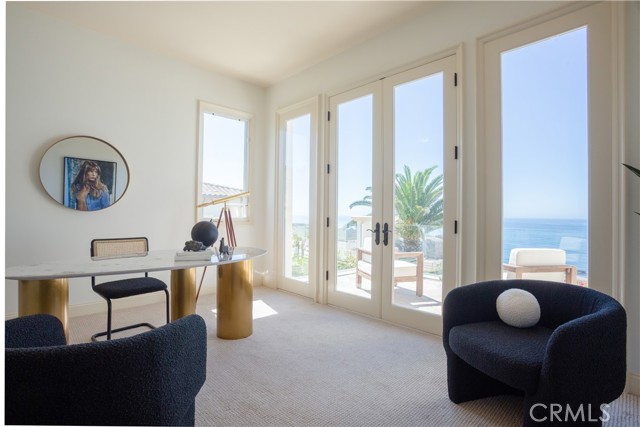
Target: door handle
x,y
377,232
386,230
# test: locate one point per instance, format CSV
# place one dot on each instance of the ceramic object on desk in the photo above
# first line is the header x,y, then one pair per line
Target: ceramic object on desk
x,y
205,232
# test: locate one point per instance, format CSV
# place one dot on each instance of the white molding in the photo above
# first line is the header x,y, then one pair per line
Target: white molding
x,y
444,53
527,23
633,384
618,90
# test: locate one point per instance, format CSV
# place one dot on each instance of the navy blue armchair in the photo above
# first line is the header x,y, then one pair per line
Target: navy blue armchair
x,y
569,366
148,379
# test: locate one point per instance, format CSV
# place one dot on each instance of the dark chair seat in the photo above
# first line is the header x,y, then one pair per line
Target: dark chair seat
x,y
114,289
129,287
511,355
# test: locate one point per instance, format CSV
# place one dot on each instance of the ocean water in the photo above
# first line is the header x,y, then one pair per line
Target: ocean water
x,y
568,234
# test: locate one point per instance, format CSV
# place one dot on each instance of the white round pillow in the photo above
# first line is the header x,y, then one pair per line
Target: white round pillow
x,y
519,308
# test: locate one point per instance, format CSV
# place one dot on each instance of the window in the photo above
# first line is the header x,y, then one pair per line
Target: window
x,y
548,154
297,177
545,153
223,161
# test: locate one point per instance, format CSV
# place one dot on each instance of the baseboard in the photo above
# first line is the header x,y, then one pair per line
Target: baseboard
x,y
633,384
85,309
259,278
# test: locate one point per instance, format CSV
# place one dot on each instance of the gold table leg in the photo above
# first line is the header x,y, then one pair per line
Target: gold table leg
x,y
235,300
183,293
50,296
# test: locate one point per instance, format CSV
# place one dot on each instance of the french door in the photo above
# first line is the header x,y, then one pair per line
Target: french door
x,y
392,196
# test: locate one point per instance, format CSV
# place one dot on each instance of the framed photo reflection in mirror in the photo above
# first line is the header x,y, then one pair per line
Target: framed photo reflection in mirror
x,y
88,183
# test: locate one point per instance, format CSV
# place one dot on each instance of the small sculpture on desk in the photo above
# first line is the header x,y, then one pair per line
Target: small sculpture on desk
x,y
224,249
193,246
225,252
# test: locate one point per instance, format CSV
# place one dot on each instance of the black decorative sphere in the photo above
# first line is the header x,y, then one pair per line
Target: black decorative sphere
x,y
205,232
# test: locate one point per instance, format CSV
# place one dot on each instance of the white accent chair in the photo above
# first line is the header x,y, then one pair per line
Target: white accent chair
x,y
540,264
403,271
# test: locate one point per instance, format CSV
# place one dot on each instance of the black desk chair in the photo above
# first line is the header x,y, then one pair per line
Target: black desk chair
x,y
120,248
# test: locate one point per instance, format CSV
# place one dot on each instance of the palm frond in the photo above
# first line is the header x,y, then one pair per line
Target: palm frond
x,y
632,169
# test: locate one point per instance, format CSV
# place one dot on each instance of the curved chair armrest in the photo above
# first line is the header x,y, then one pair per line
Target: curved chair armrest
x,y
472,303
36,330
587,356
148,379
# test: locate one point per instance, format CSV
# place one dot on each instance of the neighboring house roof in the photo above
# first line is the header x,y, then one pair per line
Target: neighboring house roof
x,y
213,191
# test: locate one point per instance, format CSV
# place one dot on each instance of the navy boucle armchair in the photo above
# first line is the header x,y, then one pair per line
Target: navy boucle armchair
x,y
569,366
147,379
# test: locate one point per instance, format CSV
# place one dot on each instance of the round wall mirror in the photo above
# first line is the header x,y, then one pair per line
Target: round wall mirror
x,y
84,173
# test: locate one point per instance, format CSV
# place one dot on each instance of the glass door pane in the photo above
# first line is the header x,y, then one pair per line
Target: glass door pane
x,y
354,201
545,159
296,206
354,198
418,194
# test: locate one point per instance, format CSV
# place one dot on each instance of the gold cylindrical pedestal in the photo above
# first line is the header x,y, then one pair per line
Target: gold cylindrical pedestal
x,y
50,296
183,293
235,300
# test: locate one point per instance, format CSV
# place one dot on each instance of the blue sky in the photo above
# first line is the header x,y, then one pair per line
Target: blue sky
x,y
418,127
223,151
544,105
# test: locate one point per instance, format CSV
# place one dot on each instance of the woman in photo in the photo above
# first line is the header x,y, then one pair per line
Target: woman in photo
x,y
89,191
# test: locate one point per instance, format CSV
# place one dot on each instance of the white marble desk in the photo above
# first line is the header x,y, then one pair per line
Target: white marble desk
x,y
43,288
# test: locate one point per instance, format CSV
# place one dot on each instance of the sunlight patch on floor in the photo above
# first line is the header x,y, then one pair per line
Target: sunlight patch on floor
x,y
260,309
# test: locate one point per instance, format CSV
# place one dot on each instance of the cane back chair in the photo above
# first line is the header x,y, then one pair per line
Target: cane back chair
x,y
121,248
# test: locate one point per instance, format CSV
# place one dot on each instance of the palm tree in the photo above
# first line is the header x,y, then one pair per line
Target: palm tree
x,y
418,203
365,201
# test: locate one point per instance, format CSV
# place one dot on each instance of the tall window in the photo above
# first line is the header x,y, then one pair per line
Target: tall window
x,y
548,198
224,149
297,201
545,151
297,167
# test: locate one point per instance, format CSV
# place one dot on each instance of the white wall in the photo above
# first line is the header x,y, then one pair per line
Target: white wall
x,y
444,27
63,80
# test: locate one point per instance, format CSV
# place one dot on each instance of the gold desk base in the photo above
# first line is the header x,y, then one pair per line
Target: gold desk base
x,y
235,300
183,293
50,296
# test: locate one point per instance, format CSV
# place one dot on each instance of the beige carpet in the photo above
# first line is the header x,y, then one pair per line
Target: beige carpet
x,y
312,365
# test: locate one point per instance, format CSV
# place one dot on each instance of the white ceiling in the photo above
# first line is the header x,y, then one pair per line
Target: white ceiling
x,y
260,42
